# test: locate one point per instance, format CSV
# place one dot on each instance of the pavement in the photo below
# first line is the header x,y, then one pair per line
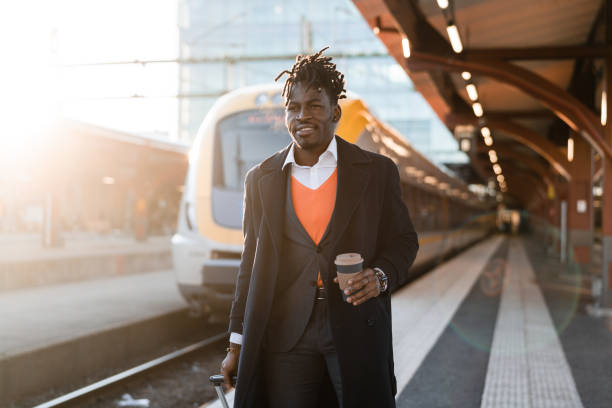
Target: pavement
x,y
24,262
503,324
15,248
65,336
35,318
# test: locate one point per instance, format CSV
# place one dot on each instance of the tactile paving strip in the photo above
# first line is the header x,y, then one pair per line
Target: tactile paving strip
x,y
527,366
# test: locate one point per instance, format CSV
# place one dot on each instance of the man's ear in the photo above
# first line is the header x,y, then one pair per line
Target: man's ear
x,y
337,113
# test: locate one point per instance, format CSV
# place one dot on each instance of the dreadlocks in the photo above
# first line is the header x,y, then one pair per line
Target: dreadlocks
x,y
315,71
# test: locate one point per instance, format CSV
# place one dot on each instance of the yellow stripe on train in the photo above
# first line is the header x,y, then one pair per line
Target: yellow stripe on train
x,y
353,119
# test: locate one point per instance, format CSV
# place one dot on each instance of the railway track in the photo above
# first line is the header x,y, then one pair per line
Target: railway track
x,y
102,386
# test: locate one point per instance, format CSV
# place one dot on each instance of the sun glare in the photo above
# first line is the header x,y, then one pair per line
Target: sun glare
x,y
41,40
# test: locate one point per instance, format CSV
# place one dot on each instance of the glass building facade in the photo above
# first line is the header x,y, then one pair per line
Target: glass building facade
x,y
224,45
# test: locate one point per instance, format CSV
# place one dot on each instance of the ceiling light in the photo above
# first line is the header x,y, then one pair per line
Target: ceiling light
x,y
465,145
493,156
466,75
497,169
500,178
604,108
455,39
443,4
472,92
485,131
597,191
376,28
477,109
488,141
410,170
406,47
570,150
430,180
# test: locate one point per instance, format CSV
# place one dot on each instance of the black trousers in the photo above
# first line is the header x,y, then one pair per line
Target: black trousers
x,y
300,377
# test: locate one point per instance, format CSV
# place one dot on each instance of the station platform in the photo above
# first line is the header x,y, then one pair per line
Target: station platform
x,y
503,324
24,262
73,331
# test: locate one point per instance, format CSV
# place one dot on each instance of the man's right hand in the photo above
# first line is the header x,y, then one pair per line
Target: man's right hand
x,y
229,366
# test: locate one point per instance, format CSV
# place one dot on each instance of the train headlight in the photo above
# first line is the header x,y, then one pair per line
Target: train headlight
x,y
277,99
261,99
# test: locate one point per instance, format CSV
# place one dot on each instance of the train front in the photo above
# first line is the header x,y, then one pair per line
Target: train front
x,y
241,130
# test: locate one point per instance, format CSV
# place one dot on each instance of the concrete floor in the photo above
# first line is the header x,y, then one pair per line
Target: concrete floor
x,y
503,324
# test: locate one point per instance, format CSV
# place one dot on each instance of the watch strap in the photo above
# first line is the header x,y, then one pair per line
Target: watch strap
x,y
383,281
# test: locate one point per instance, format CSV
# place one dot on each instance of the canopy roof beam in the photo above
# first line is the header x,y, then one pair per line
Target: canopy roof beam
x,y
538,53
523,135
506,154
432,53
565,106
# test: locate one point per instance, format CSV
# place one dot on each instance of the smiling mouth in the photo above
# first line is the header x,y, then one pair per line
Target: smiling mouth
x,y
304,130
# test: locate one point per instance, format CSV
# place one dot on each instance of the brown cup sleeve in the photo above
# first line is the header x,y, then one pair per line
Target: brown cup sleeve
x,y
343,279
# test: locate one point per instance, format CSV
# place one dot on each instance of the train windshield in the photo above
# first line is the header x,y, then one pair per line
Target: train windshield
x,y
244,140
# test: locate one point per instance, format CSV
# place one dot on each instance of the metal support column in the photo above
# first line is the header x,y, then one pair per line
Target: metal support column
x,y
606,205
606,234
563,234
580,205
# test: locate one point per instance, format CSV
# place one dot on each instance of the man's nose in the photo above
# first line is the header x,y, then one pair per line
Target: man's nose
x,y
303,113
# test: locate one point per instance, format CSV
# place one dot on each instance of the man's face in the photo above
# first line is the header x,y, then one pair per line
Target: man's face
x,y
311,118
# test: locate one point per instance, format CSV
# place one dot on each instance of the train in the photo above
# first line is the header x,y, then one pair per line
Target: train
x,y
246,126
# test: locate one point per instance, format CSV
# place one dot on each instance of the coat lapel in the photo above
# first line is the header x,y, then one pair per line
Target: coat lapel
x,y
353,179
272,186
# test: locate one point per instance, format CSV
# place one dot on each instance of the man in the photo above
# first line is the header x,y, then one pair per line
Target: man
x,y
294,341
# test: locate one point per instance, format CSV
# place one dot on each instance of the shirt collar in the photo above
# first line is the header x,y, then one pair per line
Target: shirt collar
x,y
331,152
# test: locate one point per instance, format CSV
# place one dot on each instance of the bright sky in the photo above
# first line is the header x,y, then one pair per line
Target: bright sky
x,y
37,39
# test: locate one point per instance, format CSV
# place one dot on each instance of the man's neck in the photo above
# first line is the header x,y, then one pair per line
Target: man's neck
x,y
309,158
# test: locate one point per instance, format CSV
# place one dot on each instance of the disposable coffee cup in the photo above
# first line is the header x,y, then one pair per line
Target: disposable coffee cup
x,y
347,266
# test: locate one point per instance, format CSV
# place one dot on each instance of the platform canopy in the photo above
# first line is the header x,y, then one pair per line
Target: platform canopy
x,y
527,75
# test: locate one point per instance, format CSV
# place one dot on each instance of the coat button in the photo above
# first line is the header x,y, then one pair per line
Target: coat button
x,y
319,249
371,322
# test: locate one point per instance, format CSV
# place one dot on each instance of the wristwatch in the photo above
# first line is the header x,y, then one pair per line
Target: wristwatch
x,y
383,281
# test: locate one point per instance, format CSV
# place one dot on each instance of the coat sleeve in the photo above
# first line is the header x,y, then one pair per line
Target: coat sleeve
x,y
397,240
248,255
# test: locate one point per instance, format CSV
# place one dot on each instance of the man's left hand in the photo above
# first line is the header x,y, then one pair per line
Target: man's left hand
x,y
363,286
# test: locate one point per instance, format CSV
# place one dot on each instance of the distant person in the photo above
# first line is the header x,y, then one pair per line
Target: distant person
x,y
294,341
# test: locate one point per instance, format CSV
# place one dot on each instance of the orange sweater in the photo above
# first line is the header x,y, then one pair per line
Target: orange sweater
x,y
314,208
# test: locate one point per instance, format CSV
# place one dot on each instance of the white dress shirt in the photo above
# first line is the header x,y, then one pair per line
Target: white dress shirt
x,y
310,176
313,176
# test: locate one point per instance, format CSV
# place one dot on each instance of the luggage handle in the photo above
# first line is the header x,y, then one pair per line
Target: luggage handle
x,y
217,381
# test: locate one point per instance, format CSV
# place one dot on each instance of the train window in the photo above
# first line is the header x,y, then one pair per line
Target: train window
x,y
244,140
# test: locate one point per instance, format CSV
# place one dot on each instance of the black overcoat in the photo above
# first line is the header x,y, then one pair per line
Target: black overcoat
x,y
369,218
